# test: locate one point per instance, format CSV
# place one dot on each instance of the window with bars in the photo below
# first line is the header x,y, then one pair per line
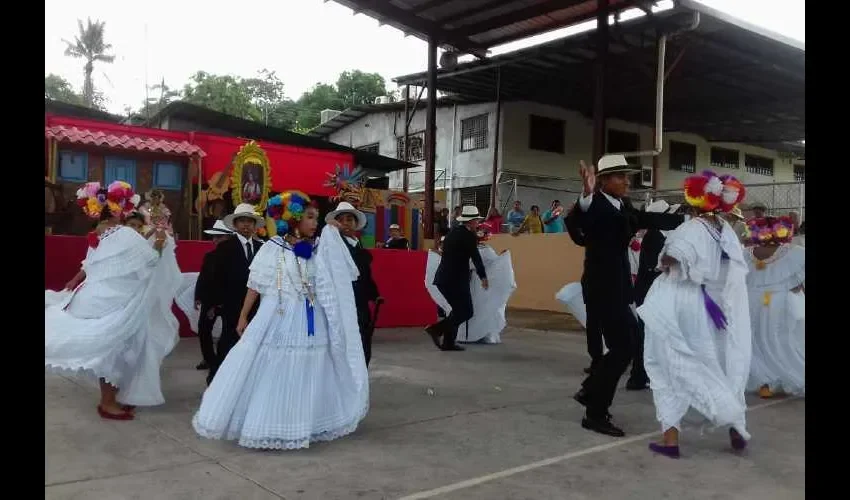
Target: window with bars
x,y
725,158
800,173
416,148
683,157
473,133
759,165
371,148
546,134
478,196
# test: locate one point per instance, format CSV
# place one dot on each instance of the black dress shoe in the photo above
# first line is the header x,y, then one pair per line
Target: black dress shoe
x,y
202,366
434,332
588,370
452,348
581,398
636,385
602,426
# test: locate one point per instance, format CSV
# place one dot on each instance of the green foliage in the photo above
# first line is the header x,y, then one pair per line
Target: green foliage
x,y
90,45
59,89
356,87
226,94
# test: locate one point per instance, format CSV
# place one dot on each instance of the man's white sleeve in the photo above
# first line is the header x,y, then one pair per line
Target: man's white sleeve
x,y
584,202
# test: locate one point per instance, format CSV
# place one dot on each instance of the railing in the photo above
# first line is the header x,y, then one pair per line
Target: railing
x,y
779,198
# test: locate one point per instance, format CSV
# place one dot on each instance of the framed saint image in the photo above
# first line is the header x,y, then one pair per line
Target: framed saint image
x,y
250,180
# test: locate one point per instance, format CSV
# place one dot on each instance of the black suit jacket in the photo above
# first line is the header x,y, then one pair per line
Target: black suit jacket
x,y
365,289
574,226
205,290
460,245
606,282
231,274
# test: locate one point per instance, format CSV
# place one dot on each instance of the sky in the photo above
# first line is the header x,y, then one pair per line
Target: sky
x,y
304,41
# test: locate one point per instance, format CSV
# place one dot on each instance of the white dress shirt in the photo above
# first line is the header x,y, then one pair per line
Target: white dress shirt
x,y
244,241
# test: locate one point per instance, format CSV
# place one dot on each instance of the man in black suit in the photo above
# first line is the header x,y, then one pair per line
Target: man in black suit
x,y
592,330
650,247
365,289
231,275
608,223
207,295
453,278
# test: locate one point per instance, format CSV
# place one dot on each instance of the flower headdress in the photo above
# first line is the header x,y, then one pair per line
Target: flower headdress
x,y
709,192
770,230
286,209
119,197
484,232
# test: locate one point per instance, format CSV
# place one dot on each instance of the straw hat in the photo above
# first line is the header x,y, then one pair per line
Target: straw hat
x,y
218,229
468,213
243,210
614,164
345,207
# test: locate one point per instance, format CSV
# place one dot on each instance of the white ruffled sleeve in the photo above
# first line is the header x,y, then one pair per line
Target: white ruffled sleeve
x,y
262,276
682,245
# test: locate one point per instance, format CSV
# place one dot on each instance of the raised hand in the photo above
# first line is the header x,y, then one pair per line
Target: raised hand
x,y
588,177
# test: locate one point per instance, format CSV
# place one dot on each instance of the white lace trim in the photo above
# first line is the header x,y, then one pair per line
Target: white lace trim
x,y
279,443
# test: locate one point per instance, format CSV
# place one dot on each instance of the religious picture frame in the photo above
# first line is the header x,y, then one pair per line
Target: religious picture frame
x,y
251,178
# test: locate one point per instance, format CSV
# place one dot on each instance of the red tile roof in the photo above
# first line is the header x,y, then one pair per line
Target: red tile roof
x,y
96,138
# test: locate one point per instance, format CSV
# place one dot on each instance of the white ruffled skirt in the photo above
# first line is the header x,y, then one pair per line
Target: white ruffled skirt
x,y
280,388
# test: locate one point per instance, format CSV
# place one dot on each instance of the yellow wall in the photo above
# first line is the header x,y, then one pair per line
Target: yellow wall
x,y
543,263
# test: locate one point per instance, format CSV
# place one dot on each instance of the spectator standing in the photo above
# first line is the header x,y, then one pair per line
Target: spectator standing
x,y
552,220
532,222
516,217
494,220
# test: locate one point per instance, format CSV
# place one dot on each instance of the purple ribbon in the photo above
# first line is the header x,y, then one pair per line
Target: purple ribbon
x,y
714,311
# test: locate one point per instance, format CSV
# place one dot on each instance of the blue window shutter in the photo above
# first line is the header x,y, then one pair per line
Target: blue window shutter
x,y
73,166
167,175
120,169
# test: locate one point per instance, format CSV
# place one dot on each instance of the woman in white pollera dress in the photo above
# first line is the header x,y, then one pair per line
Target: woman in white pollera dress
x,y
298,373
489,305
776,284
113,322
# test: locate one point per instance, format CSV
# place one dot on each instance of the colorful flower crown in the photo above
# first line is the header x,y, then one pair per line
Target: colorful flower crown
x,y
119,197
484,232
770,230
709,192
287,208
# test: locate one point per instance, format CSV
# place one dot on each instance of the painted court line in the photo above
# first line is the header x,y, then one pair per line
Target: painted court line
x,y
550,461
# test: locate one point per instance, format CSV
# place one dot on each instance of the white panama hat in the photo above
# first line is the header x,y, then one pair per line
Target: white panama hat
x,y
468,213
658,207
345,207
614,164
243,210
218,229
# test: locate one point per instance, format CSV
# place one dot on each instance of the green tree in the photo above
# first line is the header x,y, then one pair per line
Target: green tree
x,y
59,89
226,94
356,87
161,95
311,104
265,92
89,44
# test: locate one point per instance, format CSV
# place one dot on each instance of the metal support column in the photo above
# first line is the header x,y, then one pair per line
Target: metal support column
x,y
406,153
494,188
430,141
599,84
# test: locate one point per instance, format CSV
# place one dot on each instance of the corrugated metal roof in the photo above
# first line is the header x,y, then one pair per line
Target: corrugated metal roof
x,y
98,138
728,81
474,26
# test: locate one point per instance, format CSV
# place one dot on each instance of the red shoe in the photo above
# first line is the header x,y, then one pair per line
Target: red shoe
x,y
114,416
128,408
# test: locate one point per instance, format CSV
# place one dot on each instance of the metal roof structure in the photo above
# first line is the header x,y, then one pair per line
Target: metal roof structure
x,y
355,113
73,110
728,81
221,123
473,26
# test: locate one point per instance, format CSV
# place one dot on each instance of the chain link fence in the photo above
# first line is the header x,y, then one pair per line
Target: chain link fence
x,y
779,198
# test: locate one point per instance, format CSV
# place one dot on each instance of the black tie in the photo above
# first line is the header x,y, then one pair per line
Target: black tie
x,y
250,249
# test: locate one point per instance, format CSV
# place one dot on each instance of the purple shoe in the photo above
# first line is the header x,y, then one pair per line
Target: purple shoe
x,y
667,451
738,441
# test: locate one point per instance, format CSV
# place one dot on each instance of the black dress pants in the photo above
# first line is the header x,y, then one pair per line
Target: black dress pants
x,y
618,329
459,297
205,326
364,321
594,338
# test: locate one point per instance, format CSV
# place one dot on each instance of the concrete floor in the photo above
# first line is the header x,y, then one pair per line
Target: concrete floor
x,y
495,422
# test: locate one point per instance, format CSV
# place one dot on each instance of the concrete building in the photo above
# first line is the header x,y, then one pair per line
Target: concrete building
x,y
539,150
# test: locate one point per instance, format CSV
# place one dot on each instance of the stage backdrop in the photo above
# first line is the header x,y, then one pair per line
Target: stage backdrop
x,y
399,275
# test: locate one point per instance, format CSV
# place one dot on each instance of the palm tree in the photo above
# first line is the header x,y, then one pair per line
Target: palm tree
x,y
89,45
